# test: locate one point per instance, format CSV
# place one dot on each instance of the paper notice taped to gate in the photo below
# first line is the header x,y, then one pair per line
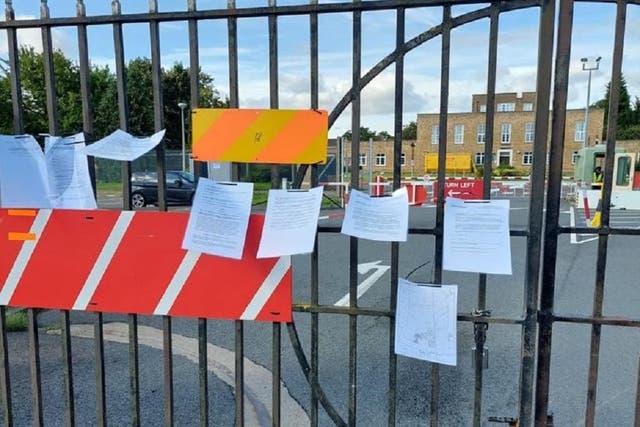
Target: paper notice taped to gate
x,y
426,322
476,236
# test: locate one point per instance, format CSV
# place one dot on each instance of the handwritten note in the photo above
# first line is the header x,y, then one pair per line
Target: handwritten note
x,y
290,223
219,218
476,236
377,218
426,322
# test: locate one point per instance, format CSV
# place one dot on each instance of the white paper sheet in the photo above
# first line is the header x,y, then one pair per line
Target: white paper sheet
x,y
122,146
476,236
23,173
219,218
426,322
290,223
377,218
68,173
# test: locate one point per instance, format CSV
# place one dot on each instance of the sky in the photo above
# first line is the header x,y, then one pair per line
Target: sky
x,y
593,32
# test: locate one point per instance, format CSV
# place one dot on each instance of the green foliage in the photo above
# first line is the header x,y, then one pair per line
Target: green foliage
x,y
628,113
175,83
508,170
410,131
16,321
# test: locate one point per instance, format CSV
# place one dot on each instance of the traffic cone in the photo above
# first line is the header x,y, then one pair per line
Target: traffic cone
x,y
597,216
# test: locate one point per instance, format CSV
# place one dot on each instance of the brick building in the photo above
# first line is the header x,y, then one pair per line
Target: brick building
x,y
513,137
513,131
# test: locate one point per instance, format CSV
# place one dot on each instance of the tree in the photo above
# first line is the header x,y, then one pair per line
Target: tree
x,y
410,131
365,134
625,111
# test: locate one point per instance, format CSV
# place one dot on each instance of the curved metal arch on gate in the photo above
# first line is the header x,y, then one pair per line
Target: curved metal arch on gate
x,y
539,236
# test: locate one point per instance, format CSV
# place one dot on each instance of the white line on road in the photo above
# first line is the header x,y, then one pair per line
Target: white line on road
x,y
221,362
366,283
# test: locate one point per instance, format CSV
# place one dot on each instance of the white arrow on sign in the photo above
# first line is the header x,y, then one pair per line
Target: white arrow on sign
x,y
452,193
363,287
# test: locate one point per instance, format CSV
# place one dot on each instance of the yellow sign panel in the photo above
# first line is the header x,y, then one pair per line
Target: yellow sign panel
x,y
260,136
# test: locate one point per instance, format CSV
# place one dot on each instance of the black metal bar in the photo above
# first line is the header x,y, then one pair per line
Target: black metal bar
x,y
603,240
395,247
492,66
123,104
353,242
637,416
604,320
167,356
34,363
199,168
5,377
561,77
253,12
67,368
101,400
158,106
16,88
536,211
85,90
276,346
203,371
315,261
134,370
49,73
239,347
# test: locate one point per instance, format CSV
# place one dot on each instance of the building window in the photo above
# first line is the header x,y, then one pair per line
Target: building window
x,y
459,134
528,132
527,106
574,157
505,133
403,159
363,160
503,107
381,159
479,159
481,136
579,136
483,108
527,157
435,134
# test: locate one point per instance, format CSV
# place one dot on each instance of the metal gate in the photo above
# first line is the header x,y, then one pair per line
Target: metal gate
x,y
539,238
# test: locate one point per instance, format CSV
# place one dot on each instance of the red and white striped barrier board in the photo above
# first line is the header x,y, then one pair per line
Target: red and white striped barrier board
x,y
132,262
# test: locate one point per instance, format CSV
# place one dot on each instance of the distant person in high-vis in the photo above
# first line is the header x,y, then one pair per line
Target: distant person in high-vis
x,y
596,182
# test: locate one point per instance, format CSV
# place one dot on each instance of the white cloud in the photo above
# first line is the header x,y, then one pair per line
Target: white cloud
x,y
61,38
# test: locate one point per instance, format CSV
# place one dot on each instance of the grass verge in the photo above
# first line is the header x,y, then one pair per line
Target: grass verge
x,y
17,321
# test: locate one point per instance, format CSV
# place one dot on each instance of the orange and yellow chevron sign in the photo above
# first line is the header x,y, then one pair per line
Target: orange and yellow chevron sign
x,y
260,136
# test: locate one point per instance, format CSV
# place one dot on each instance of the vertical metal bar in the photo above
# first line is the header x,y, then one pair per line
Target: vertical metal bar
x,y
274,102
5,378
491,101
123,104
239,347
232,31
101,401
603,240
442,155
353,242
134,370
552,218
67,368
637,416
85,90
194,84
315,334
535,227
158,105
16,88
34,363
167,356
395,247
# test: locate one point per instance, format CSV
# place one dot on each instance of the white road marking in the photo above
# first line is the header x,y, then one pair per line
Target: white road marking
x,y
573,237
363,287
221,362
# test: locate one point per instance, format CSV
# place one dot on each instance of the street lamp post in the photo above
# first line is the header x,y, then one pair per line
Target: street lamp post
x,y
182,106
413,147
588,64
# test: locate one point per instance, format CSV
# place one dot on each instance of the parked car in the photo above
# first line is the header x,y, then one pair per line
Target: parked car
x,y
180,186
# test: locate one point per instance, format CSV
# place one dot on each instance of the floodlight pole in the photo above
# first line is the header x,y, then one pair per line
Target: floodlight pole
x,y
588,64
182,106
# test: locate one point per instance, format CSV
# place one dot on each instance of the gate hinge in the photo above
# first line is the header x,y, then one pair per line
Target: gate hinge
x,y
481,313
